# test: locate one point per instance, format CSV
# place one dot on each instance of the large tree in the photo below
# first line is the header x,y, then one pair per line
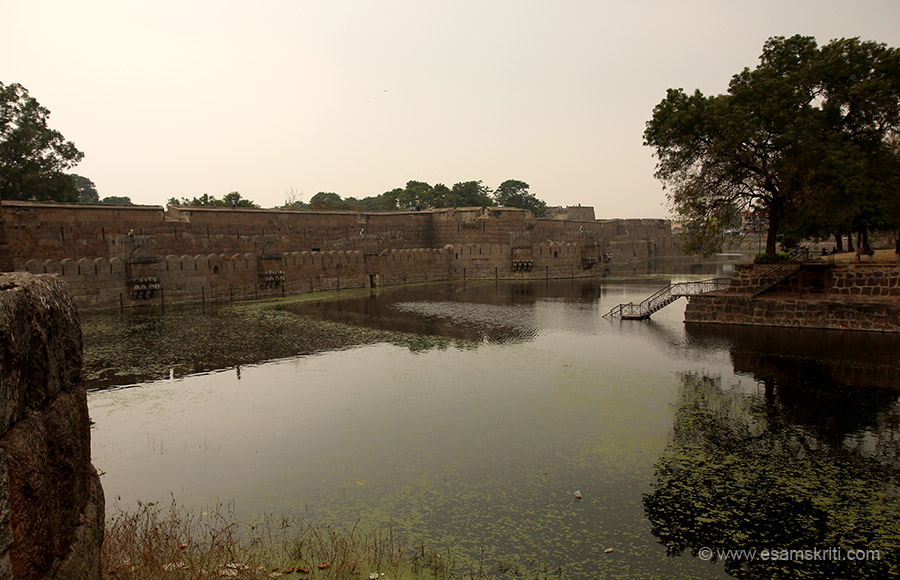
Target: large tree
x,y
87,191
33,157
469,194
327,200
803,139
514,193
417,195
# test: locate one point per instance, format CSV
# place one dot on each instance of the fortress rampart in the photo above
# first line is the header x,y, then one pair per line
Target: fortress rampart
x,y
119,256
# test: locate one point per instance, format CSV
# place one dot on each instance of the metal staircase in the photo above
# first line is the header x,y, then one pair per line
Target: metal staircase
x,y
664,297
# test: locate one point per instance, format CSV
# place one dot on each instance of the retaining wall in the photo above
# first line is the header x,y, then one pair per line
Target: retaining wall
x,y
794,312
822,278
843,296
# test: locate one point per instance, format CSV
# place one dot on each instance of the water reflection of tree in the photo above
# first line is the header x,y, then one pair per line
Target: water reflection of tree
x,y
741,473
841,386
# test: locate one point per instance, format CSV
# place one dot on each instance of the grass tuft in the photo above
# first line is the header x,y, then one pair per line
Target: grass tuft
x,y
173,543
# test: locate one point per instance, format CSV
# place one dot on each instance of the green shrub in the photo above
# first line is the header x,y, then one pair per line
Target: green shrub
x,y
767,259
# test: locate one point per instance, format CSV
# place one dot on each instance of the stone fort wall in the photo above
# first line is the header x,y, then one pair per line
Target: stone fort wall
x,y
118,256
6,263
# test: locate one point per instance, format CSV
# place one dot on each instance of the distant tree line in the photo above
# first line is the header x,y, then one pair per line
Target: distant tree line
x,y
419,195
232,199
35,160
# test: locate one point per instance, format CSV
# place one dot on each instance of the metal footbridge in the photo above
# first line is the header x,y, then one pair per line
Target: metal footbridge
x,y
664,297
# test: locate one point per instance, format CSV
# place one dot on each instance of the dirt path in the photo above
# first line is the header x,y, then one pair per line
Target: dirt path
x,y
885,256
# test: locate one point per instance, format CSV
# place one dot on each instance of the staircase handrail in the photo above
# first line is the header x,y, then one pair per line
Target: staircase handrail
x,y
662,297
794,261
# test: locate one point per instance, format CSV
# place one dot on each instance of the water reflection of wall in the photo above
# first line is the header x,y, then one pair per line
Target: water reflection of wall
x,y
147,344
852,359
494,312
716,267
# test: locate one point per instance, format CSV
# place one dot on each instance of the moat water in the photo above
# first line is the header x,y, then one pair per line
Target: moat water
x,y
468,415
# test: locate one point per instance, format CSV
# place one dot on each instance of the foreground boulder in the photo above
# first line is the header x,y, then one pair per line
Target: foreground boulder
x,y
51,501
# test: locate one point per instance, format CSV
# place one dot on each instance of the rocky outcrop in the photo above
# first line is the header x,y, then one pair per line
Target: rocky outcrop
x,y
51,501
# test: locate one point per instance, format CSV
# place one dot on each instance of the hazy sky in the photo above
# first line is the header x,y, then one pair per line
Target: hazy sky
x,y
180,98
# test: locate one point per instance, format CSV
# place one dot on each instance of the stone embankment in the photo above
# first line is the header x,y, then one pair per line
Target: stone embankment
x,y
815,295
51,501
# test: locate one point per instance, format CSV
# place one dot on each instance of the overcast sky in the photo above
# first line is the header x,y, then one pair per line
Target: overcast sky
x,y
180,98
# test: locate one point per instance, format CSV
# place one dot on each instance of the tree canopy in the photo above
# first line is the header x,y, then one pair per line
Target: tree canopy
x,y
33,157
232,199
87,191
419,195
514,193
327,200
117,200
416,195
806,139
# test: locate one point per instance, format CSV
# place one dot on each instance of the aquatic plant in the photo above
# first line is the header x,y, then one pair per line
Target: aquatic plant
x,y
740,474
167,543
